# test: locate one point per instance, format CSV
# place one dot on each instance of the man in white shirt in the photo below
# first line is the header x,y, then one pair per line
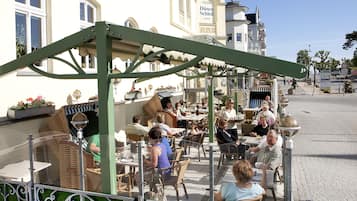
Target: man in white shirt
x,y
136,128
269,153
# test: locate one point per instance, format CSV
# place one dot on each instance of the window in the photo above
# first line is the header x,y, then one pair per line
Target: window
x,y
30,20
87,13
239,37
131,22
182,13
229,37
188,13
87,18
154,66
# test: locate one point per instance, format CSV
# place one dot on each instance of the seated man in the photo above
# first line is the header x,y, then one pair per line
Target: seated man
x,y
136,128
94,147
169,110
268,154
261,129
180,113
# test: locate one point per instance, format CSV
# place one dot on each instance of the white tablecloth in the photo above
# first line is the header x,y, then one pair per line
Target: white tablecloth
x,y
21,171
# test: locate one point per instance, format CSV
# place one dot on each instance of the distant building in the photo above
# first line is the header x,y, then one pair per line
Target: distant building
x,y
236,26
245,32
256,34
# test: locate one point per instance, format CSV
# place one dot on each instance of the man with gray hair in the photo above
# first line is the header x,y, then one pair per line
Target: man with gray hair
x,y
269,154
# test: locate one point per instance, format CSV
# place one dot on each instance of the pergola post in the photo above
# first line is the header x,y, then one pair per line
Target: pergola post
x,y
210,130
106,109
235,73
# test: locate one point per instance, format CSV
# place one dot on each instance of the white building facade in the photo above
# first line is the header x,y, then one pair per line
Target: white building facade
x,y
256,34
236,26
31,24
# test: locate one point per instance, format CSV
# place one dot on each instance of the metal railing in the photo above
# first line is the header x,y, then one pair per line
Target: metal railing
x,y
21,191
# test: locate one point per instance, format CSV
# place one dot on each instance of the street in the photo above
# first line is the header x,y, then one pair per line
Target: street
x,y
325,149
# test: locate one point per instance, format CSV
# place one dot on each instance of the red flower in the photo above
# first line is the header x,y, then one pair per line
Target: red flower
x,y
29,99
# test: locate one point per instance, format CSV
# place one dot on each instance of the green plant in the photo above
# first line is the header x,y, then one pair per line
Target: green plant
x,y
32,103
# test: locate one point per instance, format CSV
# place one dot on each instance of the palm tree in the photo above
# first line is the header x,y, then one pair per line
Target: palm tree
x,y
304,59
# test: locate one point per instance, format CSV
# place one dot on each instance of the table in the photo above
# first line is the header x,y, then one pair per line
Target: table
x,y
177,130
194,117
254,141
21,171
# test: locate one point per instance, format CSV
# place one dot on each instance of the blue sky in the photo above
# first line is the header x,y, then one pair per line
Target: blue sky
x,y
291,25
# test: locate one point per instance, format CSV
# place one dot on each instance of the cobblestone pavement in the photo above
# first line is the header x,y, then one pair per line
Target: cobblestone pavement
x,y
325,149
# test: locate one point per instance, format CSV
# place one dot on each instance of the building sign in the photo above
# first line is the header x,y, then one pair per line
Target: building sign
x,y
206,13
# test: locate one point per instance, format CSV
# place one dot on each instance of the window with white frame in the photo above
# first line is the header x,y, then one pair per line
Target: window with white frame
x,y
87,17
132,23
88,13
30,20
239,37
182,13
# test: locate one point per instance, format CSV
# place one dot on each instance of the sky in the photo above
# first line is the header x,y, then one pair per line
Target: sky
x,y
293,25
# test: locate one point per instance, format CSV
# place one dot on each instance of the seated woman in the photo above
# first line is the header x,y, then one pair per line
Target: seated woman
x,y
229,143
158,154
261,129
165,134
229,114
223,136
243,188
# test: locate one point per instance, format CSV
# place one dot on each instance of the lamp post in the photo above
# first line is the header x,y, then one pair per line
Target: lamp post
x,y
288,127
80,121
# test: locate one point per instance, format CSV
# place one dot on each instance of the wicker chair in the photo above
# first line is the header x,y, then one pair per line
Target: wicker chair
x,y
175,181
69,164
94,181
195,141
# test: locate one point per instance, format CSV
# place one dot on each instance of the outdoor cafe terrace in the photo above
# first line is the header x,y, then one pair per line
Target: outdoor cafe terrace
x,y
111,40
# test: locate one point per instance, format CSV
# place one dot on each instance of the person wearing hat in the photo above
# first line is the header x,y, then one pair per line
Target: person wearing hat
x,y
230,115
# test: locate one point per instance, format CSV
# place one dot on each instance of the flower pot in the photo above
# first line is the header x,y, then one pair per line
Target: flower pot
x,y
30,112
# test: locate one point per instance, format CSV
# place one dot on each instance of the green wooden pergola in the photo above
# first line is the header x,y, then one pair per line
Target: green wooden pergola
x,y
107,40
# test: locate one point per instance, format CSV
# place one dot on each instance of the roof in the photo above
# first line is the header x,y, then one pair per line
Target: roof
x,y
252,18
137,44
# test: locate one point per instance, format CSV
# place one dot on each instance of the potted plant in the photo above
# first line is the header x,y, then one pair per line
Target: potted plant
x,y
31,107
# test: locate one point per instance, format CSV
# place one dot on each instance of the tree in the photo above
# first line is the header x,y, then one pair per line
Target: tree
x,y
321,63
351,39
304,59
354,59
322,57
333,63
